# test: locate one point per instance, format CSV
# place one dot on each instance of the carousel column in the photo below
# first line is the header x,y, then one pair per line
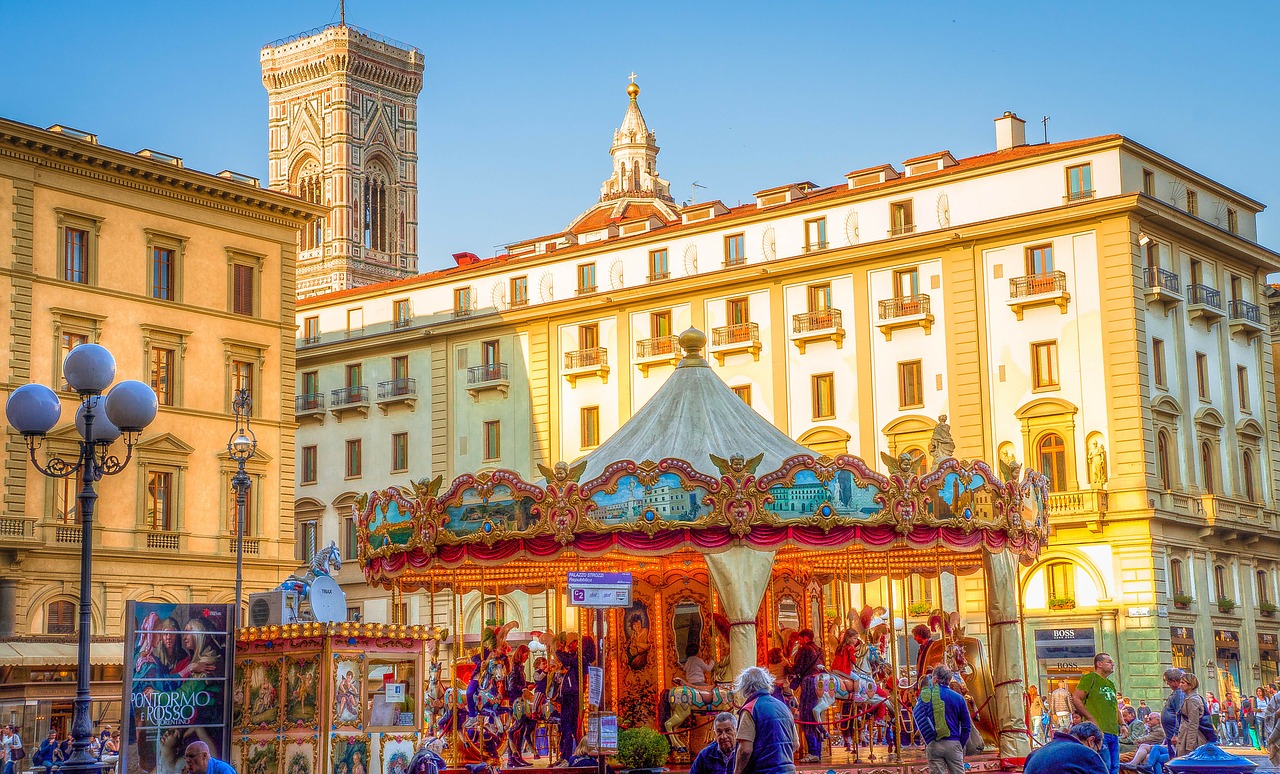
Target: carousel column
x,y
741,576
1005,636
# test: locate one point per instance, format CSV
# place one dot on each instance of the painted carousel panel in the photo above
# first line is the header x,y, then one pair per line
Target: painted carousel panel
x,y
391,522
667,499
502,510
807,497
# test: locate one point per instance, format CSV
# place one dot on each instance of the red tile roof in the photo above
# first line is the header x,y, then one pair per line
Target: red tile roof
x,y
603,216
928,157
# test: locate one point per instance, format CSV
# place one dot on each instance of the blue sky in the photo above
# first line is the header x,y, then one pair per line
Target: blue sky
x,y
521,99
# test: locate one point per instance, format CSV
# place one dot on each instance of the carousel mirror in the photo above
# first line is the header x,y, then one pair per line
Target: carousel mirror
x,y
788,613
686,625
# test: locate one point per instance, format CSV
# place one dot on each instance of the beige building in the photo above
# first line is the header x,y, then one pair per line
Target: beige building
x,y
1090,308
343,132
188,278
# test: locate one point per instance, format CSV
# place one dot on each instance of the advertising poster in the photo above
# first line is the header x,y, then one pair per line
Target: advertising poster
x,y
176,684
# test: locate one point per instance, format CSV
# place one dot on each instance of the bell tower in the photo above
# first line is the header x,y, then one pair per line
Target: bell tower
x,y
343,126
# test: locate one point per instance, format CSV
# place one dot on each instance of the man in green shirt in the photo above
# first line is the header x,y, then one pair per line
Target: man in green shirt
x,y
1095,700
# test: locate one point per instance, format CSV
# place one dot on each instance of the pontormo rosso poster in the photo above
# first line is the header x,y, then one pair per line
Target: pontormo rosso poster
x,y
176,684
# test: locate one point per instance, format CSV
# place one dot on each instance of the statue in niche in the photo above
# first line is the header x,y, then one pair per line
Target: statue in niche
x,y
941,445
1010,468
1097,463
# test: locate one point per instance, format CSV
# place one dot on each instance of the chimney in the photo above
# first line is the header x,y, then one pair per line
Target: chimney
x,y
1011,131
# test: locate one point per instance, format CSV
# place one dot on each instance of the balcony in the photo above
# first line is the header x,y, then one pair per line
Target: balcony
x,y
1077,196
740,260
16,531
1231,518
1047,289
519,301
1246,319
813,247
735,339
659,350
349,400
252,545
1204,303
400,323
1080,508
905,312
817,325
309,407
902,230
1162,287
397,391
659,275
488,376
580,363
309,341
464,310
164,541
586,290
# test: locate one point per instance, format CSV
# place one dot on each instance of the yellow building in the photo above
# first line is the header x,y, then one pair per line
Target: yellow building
x,y
187,278
1091,309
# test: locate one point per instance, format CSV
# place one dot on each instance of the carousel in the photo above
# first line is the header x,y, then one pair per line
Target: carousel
x,y
743,549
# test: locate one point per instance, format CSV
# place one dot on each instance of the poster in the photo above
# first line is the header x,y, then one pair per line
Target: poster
x,y
176,684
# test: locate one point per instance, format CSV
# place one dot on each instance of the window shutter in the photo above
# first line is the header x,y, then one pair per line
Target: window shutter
x,y
242,289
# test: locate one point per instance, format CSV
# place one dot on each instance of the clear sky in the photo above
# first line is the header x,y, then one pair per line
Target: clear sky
x,y
521,99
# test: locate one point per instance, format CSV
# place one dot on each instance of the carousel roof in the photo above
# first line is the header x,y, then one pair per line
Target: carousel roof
x,y
694,417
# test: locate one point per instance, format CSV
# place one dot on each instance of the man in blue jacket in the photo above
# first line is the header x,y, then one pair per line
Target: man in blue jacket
x,y
1077,752
766,730
942,718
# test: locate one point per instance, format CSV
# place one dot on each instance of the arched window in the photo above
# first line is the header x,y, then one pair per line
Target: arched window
x,y
309,185
1175,577
1247,477
379,193
1053,461
1163,467
1061,580
1206,467
60,618
1220,581
1264,588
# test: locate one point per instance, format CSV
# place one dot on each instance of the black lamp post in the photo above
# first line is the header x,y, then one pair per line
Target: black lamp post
x,y
33,410
241,447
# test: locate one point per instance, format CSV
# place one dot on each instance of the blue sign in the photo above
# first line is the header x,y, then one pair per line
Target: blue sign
x,y
600,589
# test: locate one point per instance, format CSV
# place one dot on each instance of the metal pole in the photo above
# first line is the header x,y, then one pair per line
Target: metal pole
x,y
239,482
81,759
893,663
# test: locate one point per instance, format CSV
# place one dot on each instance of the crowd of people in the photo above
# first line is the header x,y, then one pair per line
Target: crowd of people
x,y
53,750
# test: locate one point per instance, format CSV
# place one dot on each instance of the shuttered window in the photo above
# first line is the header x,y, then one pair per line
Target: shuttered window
x,y
242,289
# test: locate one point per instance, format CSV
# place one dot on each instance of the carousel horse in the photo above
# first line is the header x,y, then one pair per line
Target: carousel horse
x,y
493,673
327,561
433,707
967,659
680,702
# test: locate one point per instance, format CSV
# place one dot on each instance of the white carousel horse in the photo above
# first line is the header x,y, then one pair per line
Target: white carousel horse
x,y
435,695
679,702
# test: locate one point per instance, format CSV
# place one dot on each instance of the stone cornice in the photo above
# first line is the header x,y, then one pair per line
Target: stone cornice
x,y
349,64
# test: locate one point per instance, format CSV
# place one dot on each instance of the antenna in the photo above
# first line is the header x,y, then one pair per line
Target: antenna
x,y
342,11
1045,121
693,191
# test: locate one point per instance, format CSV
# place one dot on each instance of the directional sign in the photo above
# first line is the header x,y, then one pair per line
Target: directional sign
x,y
600,589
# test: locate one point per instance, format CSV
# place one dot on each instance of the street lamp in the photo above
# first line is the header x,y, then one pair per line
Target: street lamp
x,y
33,410
241,447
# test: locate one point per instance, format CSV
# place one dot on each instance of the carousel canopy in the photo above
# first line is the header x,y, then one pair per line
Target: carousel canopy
x,y
697,470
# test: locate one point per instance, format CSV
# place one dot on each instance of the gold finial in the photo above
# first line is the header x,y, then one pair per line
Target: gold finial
x,y
692,341
633,90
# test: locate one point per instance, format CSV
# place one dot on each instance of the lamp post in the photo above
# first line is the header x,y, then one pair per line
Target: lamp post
x,y
33,410
241,447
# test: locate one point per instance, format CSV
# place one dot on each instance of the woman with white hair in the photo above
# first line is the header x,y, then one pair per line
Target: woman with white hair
x,y
766,731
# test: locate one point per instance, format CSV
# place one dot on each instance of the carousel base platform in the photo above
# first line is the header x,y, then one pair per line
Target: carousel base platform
x,y
840,761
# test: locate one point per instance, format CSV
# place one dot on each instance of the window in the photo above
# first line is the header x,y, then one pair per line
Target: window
x,y
659,268
815,234
744,392
1053,461
350,543
462,301
1233,221
310,187
66,506
737,311
355,321
399,452
906,283
1246,475
819,297
354,462
1207,477
1080,182
1039,260
1242,387
1202,375
919,590
910,384
659,324
241,377
69,342
379,200
824,396
901,218
160,501
311,330
1157,362
519,291
162,273
308,537
311,383
1197,272
162,375
1220,581
1175,577
401,313
233,510
310,458
355,375
400,370
1237,288
1164,468
1148,182
1193,203
735,249
1044,364
75,256
60,617
588,336
589,418
242,290
492,440
586,278
1264,593
1060,577
495,612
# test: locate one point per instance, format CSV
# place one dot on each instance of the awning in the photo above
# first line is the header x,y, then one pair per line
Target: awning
x,y
19,653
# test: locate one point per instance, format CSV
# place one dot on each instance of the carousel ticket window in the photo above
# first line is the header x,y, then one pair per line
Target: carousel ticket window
x,y
388,693
686,624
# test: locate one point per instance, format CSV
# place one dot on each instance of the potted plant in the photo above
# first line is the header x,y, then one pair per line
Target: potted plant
x,y
918,608
1226,604
642,750
1181,601
1268,609
1062,603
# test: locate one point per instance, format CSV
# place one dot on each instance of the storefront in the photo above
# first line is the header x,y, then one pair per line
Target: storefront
x,y
1269,657
1064,654
1226,652
1183,640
